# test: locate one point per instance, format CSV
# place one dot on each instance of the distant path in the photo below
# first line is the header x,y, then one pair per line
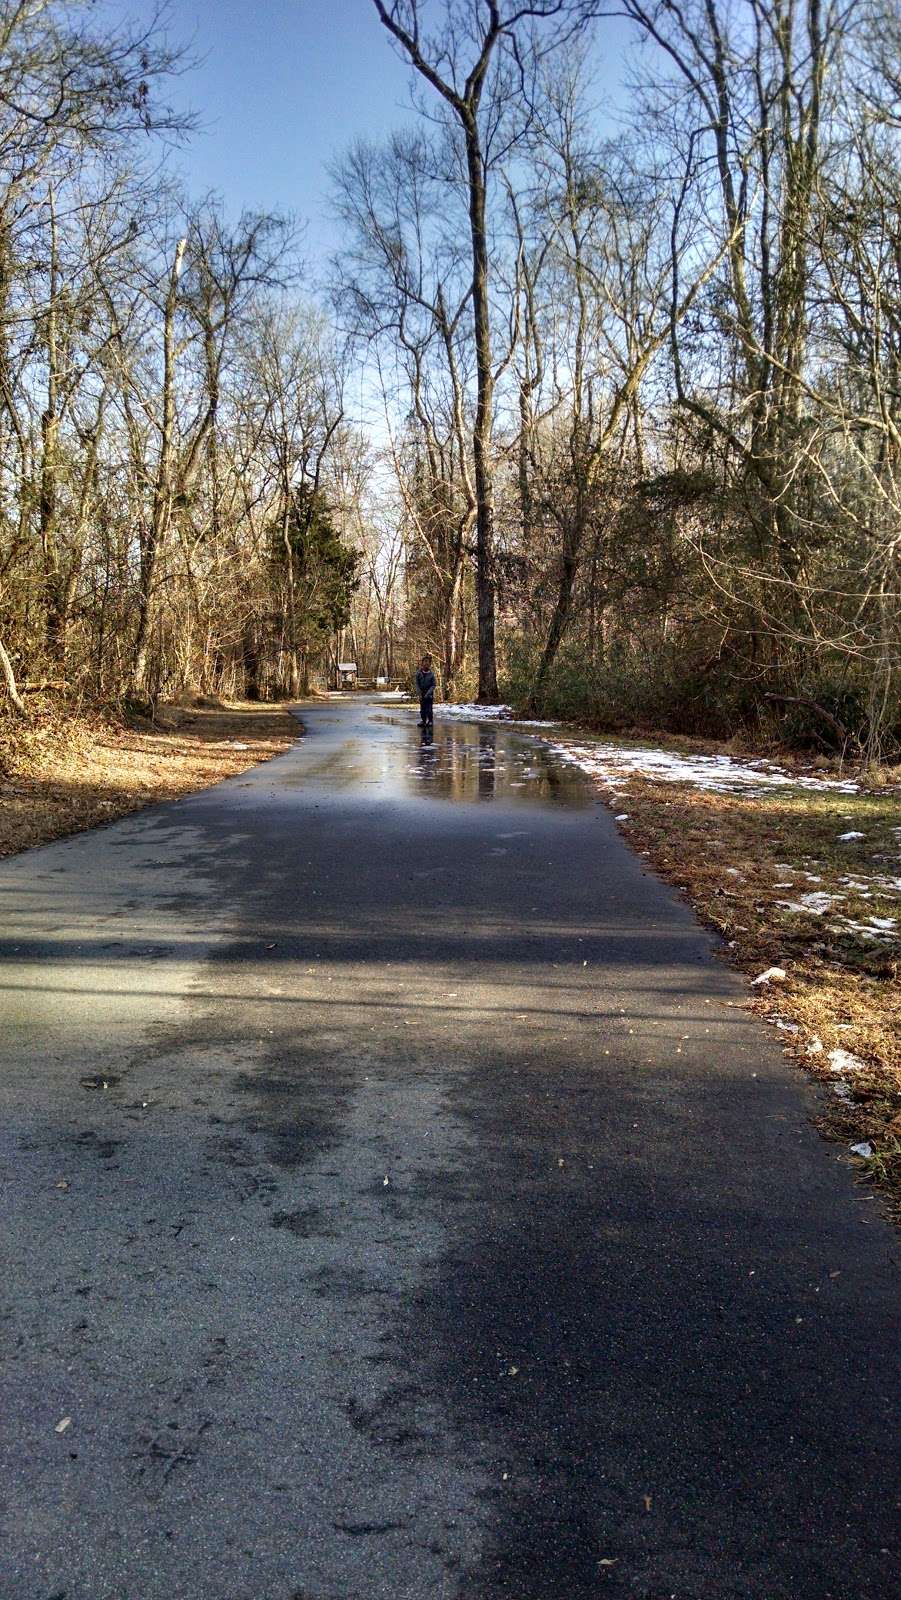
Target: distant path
x,y
443,1230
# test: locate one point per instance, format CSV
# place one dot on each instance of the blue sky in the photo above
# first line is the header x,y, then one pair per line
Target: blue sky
x,y
280,88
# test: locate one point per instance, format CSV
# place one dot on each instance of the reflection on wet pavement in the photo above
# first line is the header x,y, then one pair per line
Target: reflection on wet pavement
x,y
471,762
459,761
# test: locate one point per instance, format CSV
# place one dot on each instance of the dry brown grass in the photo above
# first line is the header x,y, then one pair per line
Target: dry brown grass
x,y
63,773
728,853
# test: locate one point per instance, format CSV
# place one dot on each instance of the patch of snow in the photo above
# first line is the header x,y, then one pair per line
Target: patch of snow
x,y
844,1061
816,904
471,709
772,975
864,1149
611,763
732,871
623,817
842,1090
814,1046
844,837
876,928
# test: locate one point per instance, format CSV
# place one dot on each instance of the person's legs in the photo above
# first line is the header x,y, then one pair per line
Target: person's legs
x,y
428,711
422,710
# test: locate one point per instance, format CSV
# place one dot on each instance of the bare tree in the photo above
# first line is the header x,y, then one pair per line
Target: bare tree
x,y
597,314
404,290
71,94
475,63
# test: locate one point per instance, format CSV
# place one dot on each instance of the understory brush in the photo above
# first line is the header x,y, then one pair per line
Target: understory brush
x,y
674,686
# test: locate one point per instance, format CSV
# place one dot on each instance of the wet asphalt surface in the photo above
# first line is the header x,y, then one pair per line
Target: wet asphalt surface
x,y
399,1204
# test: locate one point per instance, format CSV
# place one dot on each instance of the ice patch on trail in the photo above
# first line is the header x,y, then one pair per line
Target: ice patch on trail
x,y
612,763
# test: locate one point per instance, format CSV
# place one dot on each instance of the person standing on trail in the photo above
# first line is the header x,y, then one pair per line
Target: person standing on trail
x,y
425,688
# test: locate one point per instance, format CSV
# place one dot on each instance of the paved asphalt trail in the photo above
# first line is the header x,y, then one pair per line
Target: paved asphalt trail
x,y
443,1230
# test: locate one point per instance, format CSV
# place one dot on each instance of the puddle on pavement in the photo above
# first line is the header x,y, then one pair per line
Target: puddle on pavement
x,y
459,761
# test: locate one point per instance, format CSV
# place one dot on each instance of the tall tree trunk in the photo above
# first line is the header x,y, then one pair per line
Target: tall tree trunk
x,y
465,106
161,511
9,678
482,429
47,490
569,566
451,626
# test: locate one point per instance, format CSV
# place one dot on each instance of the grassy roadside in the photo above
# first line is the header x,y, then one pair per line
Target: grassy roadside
x,y
773,875
64,773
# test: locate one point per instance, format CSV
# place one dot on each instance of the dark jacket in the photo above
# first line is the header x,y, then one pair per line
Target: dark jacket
x,y
425,684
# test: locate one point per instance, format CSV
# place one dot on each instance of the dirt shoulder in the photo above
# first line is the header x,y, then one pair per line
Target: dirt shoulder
x,y
803,877
65,773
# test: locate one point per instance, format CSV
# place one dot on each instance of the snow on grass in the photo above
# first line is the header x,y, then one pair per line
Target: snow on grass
x,y
844,1061
816,904
470,708
875,928
611,763
612,766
